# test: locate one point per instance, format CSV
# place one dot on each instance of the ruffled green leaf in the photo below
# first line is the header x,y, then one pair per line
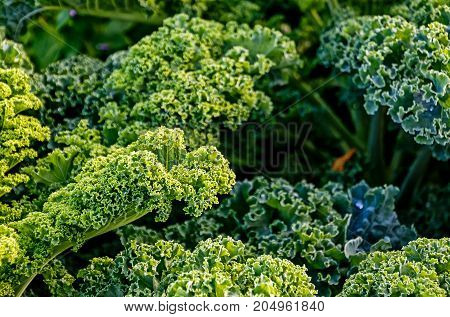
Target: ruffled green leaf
x,y
112,191
401,66
18,131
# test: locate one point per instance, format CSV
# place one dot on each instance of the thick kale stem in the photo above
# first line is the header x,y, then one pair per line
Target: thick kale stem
x,y
333,6
396,159
375,147
317,18
359,119
415,175
333,119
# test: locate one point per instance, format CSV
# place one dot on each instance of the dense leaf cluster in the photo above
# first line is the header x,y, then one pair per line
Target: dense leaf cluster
x,y
17,130
205,80
73,89
195,74
219,267
309,226
422,268
401,66
423,12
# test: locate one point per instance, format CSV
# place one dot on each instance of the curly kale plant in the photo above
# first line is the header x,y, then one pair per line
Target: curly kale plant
x,y
64,87
422,268
73,89
423,12
219,267
149,175
304,224
17,130
197,75
400,66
